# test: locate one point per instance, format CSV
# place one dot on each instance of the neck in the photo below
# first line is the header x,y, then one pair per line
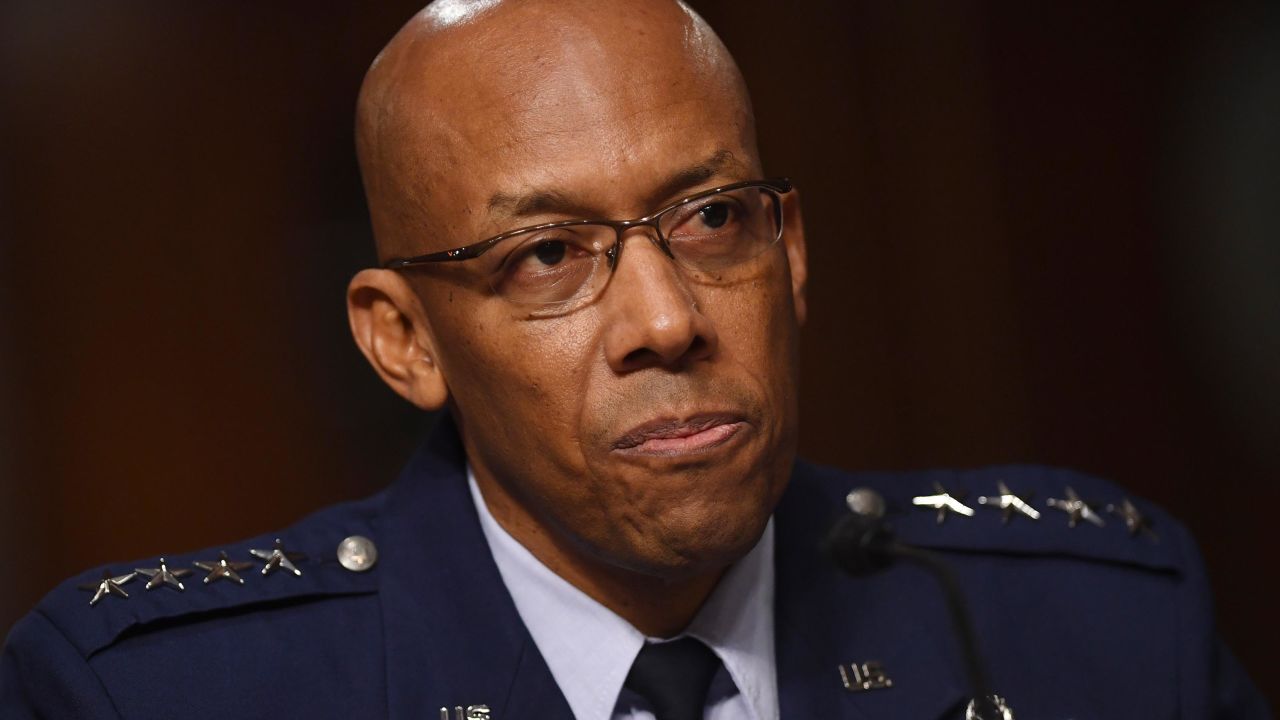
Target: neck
x,y
656,606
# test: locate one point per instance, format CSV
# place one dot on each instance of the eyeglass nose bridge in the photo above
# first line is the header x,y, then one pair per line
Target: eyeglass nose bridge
x,y
621,227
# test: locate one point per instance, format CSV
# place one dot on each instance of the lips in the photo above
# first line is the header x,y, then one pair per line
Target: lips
x,y
671,436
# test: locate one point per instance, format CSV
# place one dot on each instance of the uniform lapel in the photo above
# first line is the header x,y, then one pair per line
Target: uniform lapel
x,y
453,635
825,619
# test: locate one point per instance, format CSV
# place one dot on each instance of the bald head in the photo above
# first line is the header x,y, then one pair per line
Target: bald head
x,y
468,86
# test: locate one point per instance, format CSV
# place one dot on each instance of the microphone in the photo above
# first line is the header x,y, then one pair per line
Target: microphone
x,y
862,544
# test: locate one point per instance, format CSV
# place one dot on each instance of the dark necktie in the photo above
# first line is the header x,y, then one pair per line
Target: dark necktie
x,y
674,677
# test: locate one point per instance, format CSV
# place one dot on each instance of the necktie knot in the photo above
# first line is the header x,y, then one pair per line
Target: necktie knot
x,y
674,677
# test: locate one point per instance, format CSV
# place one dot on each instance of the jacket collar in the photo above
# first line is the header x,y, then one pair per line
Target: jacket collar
x,y
436,564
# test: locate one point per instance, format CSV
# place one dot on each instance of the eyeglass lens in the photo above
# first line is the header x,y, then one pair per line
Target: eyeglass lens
x,y
569,265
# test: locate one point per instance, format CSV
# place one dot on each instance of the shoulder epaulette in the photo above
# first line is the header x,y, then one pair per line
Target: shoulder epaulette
x,y
1025,510
331,553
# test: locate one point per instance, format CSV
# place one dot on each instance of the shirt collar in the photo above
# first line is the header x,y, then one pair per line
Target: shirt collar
x,y
589,649
737,623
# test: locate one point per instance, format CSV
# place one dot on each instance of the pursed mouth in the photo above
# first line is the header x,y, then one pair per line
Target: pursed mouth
x,y
671,436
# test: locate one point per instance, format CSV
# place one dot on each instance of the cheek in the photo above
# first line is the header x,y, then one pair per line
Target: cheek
x,y
759,341
518,386
758,333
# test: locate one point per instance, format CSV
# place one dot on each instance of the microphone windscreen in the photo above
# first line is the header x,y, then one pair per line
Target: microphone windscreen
x,y
860,544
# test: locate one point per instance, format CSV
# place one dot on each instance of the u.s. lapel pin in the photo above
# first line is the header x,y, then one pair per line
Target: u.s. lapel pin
x,y
869,675
470,712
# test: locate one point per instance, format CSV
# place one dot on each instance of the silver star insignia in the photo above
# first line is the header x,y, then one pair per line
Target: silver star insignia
x,y
164,576
223,567
944,502
108,586
1076,509
1133,518
278,558
995,708
1008,504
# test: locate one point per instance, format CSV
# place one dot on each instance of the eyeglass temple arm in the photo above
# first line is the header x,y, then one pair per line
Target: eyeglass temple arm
x,y
454,255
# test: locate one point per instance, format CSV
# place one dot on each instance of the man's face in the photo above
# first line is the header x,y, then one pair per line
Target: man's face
x,y
654,428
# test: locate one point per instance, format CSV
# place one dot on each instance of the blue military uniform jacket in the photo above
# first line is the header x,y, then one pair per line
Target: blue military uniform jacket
x,y
1085,622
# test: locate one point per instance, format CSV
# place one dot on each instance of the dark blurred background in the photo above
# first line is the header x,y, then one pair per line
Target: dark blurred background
x,y
1040,232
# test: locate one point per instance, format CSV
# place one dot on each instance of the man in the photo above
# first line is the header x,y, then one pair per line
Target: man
x,y
587,267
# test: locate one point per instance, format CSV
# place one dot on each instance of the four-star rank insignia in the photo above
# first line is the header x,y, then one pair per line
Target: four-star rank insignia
x,y
277,557
223,567
164,576
944,502
1008,504
109,585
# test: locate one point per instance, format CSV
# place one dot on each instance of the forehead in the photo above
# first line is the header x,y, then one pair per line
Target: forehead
x,y
605,116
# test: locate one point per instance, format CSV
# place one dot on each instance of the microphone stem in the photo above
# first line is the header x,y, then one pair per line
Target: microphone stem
x,y
959,615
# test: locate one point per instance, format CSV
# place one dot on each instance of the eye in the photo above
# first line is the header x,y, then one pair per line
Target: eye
x,y
550,266
550,253
545,255
714,215
712,232
706,218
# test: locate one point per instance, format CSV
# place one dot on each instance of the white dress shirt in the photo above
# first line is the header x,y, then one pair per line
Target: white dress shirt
x,y
589,649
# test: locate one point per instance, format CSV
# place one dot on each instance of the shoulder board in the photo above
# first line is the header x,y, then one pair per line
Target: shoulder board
x,y
1046,511
123,602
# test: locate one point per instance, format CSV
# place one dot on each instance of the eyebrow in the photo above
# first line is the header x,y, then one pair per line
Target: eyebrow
x,y
542,201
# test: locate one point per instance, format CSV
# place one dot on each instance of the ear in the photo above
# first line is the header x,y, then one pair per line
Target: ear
x,y
391,328
797,254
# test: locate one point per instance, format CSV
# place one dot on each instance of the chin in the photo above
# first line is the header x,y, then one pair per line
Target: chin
x,y
698,538
683,517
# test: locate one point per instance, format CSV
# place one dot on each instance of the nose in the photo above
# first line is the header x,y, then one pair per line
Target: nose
x,y
652,318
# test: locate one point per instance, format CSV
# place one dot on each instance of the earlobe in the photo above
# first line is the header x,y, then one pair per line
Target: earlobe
x,y
391,329
797,253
